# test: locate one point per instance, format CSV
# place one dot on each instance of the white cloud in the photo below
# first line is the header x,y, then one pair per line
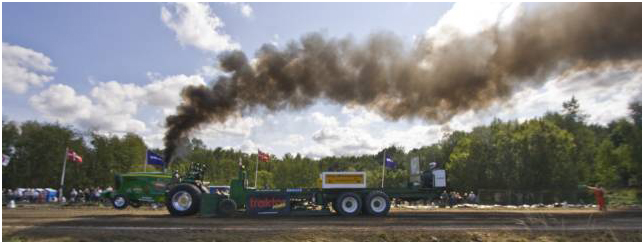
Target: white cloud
x,y
116,98
235,126
359,116
197,25
23,67
165,92
246,10
345,141
154,133
468,19
61,103
249,146
603,94
323,120
292,140
209,72
113,106
317,152
275,40
414,137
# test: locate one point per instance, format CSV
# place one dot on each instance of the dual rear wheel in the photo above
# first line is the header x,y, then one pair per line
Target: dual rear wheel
x,y
375,203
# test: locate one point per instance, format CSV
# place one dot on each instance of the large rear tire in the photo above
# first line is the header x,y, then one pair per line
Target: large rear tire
x,y
183,200
120,202
348,204
377,203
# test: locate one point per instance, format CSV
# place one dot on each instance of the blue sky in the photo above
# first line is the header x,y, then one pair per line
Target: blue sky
x,y
122,41
119,67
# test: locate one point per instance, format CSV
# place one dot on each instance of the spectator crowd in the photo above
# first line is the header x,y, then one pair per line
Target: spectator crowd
x,y
454,198
40,195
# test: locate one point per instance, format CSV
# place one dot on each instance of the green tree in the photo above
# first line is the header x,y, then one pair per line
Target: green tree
x,y
39,154
607,172
10,135
265,180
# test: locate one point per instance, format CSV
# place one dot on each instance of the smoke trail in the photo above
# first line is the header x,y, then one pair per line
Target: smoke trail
x,y
431,80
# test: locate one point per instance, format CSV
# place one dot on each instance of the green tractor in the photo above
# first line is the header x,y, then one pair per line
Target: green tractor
x,y
191,194
135,189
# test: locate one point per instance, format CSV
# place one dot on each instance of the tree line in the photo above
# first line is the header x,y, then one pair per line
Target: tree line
x,y
557,151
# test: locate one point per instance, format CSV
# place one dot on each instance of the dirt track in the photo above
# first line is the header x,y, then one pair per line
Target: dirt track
x,y
104,224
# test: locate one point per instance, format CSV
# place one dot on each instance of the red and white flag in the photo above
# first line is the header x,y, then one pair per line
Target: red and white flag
x,y
73,156
264,157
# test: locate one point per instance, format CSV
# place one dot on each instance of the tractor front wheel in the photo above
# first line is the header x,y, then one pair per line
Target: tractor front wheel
x,y
183,200
120,202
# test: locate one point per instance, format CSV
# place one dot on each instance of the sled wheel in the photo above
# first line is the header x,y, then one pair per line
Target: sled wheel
x,y
377,203
227,207
349,204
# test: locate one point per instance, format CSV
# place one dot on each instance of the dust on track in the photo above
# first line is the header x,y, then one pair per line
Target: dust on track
x,y
53,223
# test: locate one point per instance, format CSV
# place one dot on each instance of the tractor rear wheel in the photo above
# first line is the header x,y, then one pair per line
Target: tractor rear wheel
x,y
377,203
183,200
120,202
349,204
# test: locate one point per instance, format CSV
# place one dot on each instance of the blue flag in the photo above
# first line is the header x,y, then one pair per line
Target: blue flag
x,y
153,158
389,162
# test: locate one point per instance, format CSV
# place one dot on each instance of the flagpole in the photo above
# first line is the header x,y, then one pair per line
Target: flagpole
x,y
62,178
384,155
242,172
145,166
256,166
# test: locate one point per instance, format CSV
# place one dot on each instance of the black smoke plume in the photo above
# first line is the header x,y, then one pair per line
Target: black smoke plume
x,y
428,81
